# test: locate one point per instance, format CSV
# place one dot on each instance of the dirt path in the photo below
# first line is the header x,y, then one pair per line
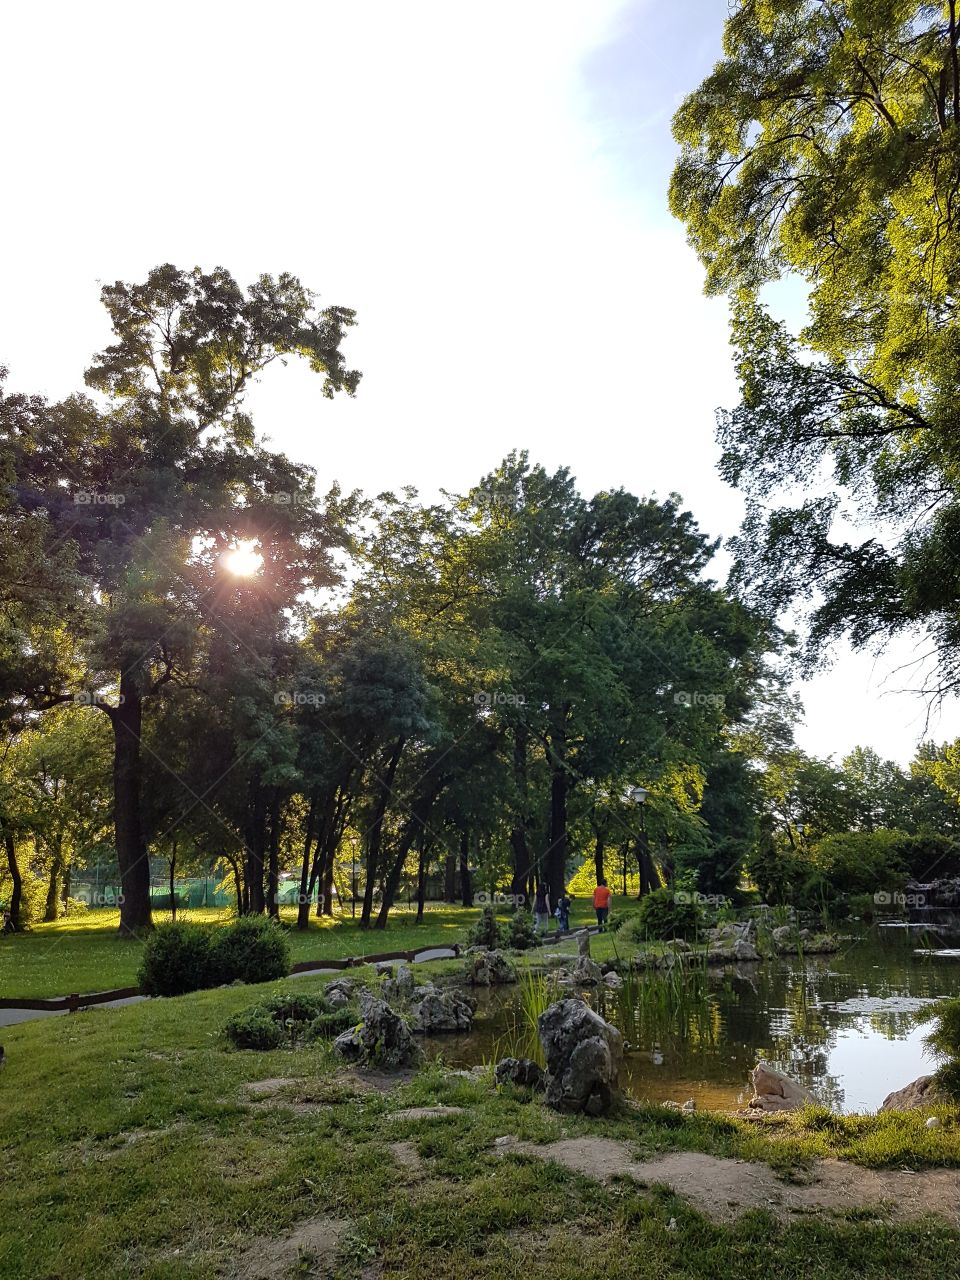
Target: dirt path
x,y
725,1188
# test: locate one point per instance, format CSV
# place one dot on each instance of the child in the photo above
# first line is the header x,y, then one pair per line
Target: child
x,y
541,909
563,913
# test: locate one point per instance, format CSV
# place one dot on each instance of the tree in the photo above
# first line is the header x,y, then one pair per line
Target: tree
x,y
826,143
152,483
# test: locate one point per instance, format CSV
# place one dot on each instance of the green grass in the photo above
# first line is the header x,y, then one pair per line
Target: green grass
x,y
83,953
127,1151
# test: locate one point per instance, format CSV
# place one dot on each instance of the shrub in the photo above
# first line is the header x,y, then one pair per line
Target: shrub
x,y
944,1040
251,949
254,1028
861,861
327,1025
486,932
518,933
176,959
665,913
287,1007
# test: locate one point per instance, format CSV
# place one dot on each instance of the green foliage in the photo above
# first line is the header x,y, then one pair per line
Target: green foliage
x,y
824,145
251,949
327,1025
861,861
254,1028
944,1041
518,934
486,931
292,1007
665,914
176,958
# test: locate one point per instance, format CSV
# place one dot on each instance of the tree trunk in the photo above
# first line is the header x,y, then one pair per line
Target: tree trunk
x,y
306,875
648,875
254,900
173,872
520,883
422,877
415,826
127,722
555,872
450,878
466,889
237,884
598,849
376,834
273,871
16,896
65,892
50,912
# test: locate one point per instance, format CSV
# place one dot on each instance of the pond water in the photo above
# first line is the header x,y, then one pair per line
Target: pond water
x,y
844,1024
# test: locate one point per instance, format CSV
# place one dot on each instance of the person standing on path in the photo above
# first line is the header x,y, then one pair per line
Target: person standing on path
x,y
541,908
601,904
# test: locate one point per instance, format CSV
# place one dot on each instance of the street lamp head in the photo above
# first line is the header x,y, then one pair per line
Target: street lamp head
x,y
800,828
638,794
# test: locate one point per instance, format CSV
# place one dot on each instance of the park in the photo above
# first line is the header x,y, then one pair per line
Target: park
x,y
450,822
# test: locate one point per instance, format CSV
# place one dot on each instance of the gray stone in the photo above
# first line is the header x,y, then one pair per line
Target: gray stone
x,y
339,993
490,969
520,1071
922,1092
774,1091
612,980
586,973
583,942
382,1038
437,1012
400,986
583,1054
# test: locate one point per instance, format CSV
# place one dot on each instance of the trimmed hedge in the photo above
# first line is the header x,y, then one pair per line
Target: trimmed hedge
x,y
180,957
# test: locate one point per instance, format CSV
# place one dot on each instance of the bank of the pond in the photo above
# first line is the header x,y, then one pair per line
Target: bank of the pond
x,y
844,1025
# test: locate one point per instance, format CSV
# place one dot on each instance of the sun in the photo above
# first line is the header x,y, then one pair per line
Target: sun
x,y
244,559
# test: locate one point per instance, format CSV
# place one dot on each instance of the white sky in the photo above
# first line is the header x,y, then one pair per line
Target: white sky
x,y
486,187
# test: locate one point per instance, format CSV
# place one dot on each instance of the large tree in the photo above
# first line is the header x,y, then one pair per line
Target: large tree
x,y
151,480
826,144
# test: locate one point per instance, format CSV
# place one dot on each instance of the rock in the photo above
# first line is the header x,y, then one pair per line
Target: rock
x,y
586,973
382,1039
743,950
490,969
613,981
932,1122
774,1091
400,986
922,1092
689,1105
384,968
438,1112
784,936
786,939
439,1012
519,1071
339,993
583,1054
583,942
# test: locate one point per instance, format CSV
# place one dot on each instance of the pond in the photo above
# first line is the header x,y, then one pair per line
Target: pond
x,y
844,1024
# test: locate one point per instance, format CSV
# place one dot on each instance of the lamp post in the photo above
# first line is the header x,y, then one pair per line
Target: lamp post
x,y
637,796
353,888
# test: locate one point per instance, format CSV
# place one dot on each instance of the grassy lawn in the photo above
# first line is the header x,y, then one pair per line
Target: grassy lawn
x,y
130,1149
83,953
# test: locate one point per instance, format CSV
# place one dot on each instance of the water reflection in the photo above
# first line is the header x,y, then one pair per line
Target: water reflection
x,y
843,1025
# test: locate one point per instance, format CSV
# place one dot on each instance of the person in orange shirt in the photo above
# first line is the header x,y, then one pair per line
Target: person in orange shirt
x,y
601,903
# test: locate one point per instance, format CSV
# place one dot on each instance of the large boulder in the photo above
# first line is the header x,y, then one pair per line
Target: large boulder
x,y
583,1055
339,993
490,969
381,1039
435,1012
586,972
520,1071
399,986
774,1091
583,942
922,1092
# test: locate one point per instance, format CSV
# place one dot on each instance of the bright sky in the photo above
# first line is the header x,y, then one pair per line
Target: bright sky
x,y
486,186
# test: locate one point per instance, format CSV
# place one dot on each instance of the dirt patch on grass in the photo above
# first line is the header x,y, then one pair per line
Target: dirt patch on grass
x,y
270,1088
308,1249
371,1081
407,1157
724,1188
426,1113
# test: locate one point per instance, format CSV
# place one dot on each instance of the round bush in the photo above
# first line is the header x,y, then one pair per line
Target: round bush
x,y
254,1029
284,1008
519,933
665,913
251,949
328,1025
176,959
